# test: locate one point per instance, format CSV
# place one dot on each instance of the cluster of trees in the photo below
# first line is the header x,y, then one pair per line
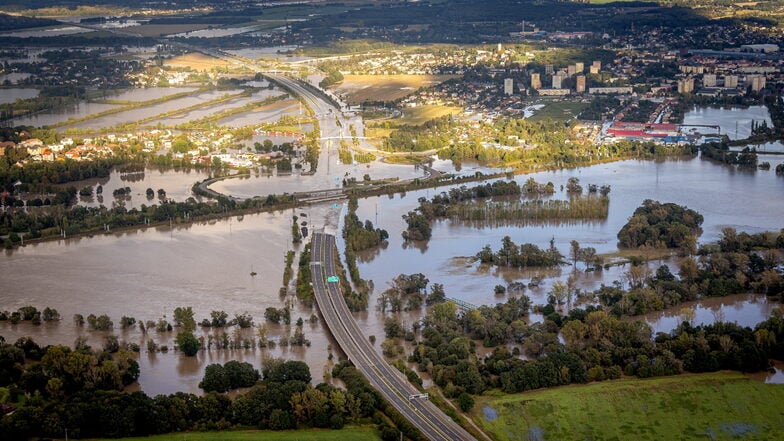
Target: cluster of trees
x,y
594,343
288,271
54,389
521,256
776,109
433,134
10,22
233,375
361,236
460,204
333,75
184,323
600,107
533,188
667,225
55,372
463,22
30,313
409,292
558,155
304,288
738,263
358,237
594,346
417,226
267,146
275,315
418,221
41,176
720,152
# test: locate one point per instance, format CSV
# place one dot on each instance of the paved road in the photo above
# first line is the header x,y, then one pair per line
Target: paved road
x,y
392,385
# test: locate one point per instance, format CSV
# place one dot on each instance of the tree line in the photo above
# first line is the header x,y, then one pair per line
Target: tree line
x,y
521,256
55,388
77,220
596,346
359,236
746,158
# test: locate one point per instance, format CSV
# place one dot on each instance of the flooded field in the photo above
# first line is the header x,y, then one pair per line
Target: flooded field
x,y
14,77
148,273
61,114
743,309
10,95
232,104
221,32
54,31
176,183
149,93
133,115
734,122
331,177
269,113
725,196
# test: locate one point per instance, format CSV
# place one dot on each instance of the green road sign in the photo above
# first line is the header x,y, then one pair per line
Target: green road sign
x,y
333,279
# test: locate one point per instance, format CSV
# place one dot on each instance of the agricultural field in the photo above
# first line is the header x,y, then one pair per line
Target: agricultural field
x,y
196,61
347,434
359,88
715,406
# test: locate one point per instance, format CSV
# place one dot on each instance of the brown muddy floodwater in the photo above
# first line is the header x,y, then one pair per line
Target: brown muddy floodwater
x,y
726,197
147,273
743,309
177,183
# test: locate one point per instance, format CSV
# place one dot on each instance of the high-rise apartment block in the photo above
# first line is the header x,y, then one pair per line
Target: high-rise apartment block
x,y
686,85
536,81
558,81
731,81
757,82
580,84
508,86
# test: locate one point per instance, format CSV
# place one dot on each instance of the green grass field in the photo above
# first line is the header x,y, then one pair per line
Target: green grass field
x,y
716,406
559,110
414,116
350,434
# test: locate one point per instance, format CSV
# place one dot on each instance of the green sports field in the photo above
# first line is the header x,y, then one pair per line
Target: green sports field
x,y
716,406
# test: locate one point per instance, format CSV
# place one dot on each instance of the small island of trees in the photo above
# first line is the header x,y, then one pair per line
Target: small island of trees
x,y
659,225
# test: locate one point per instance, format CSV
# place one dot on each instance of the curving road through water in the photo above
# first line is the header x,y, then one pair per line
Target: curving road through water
x,y
390,382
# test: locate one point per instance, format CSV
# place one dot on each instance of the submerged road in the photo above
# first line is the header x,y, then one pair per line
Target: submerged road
x,y
390,382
